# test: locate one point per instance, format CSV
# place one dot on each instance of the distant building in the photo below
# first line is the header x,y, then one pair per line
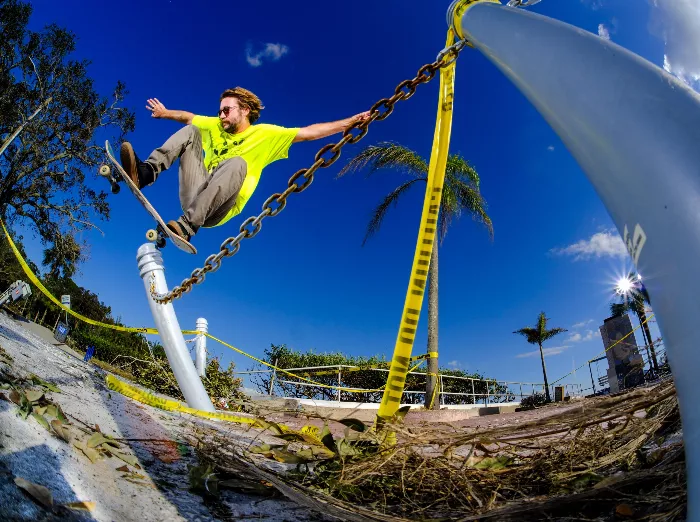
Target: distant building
x,y
625,364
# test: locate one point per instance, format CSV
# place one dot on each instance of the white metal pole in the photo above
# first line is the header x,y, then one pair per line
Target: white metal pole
x,y
152,271
201,346
633,129
339,378
272,378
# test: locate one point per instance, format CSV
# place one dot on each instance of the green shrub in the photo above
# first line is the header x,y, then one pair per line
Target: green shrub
x,y
283,357
537,399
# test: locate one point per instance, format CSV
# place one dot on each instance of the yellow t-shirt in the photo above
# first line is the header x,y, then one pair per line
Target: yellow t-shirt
x,y
259,145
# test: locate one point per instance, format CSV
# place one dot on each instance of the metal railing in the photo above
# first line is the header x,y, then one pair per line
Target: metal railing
x,y
478,391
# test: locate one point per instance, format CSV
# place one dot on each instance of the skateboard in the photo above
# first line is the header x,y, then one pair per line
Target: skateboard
x,y
161,232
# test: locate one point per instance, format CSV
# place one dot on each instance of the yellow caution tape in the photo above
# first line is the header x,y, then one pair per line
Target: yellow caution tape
x,y
460,10
34,279
435,390
432,355
310,434
296,375
170,405
426,238
325,371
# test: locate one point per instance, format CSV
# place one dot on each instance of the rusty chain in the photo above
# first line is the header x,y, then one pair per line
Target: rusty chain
x,y
522,3
301,179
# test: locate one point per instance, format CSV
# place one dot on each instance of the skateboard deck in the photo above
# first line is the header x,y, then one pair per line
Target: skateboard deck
x,y
161,231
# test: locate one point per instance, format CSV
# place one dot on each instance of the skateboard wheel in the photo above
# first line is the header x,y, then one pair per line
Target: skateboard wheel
x,y
115,188
152,235
160,243
105,170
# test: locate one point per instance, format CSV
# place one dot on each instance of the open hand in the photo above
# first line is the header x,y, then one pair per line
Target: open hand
x,y
157,109
358,117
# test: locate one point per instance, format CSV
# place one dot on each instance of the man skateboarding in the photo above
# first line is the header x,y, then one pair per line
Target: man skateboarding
x,y
215,187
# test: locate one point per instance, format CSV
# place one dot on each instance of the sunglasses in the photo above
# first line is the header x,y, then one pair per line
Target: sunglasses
x,y
227,109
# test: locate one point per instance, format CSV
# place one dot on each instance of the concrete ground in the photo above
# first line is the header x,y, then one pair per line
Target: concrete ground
x,y
30,452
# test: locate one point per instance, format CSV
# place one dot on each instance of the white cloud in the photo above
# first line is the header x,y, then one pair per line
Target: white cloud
x,y
582,324
677,23
601,244
593,4
454,365
548,352
574,338
603,31
579,338
272,52
550,148
591,335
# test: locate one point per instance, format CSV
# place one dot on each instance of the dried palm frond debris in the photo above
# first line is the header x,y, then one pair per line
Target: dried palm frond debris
x,y
612,458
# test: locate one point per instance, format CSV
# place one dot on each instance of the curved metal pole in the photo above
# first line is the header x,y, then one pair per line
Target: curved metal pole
x,y
635,131
150,263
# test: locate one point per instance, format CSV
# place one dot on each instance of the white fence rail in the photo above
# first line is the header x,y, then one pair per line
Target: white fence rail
x,y
479,391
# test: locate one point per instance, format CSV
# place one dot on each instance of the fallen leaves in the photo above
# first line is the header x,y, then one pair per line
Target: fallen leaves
x,y
51,387
624,510
81,506
43,496
92,443
39,494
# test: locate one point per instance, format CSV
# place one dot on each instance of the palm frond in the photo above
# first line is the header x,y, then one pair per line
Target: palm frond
x,y
460,190
471,200
380,211
387,155
460,168
618,309
460,193
548,334
539,334
541,323
449,210
531,334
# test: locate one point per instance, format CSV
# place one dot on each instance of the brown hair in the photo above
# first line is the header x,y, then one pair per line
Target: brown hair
x,y
246,100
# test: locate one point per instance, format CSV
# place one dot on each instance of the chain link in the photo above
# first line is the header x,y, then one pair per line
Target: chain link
x,y
301,179
523,3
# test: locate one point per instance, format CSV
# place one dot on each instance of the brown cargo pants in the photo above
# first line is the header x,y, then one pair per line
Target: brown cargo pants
x,y
205,198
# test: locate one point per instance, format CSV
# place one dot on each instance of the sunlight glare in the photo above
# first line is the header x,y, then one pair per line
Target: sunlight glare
x,y
624,286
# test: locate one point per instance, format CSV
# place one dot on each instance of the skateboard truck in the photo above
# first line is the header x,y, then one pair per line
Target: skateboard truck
x,y
157,236
106,172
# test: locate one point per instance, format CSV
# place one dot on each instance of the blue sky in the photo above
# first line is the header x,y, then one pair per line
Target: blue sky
x,y
305,280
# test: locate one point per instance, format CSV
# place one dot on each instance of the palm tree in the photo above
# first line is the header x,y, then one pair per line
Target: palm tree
x,y
460,193
538,335
634,300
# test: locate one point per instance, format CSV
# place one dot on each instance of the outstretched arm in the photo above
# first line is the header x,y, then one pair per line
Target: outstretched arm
x,y
158,110
321,130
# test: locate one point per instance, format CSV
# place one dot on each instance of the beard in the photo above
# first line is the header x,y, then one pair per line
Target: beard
x,y
230,127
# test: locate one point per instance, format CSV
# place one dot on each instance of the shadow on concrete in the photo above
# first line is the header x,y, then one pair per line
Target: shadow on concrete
x,y
162,457
5,332
39,465
154,439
